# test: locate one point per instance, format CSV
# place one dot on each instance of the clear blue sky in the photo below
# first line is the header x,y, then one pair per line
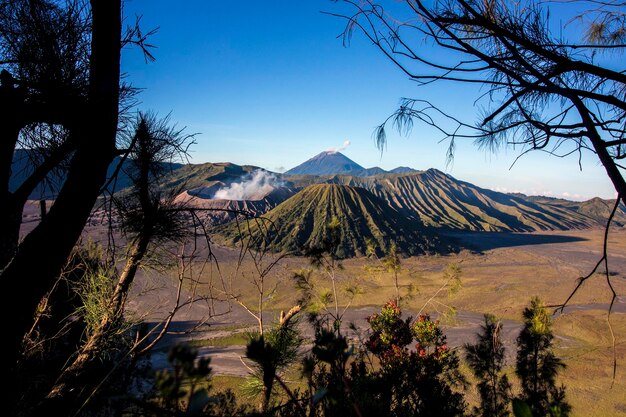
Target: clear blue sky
x,y
268,83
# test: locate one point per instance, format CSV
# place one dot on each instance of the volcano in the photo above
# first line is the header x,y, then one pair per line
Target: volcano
x,y
299,224
327,163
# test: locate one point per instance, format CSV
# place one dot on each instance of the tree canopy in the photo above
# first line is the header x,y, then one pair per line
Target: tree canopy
x,y
540,89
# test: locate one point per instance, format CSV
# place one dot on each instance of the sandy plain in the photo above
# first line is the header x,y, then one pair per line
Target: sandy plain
x,y
500,273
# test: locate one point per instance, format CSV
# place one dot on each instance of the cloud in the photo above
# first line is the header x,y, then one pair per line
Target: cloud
x,y
341,148
255,186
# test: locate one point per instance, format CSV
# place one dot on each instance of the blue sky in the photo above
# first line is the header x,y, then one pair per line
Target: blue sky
x,y
269,83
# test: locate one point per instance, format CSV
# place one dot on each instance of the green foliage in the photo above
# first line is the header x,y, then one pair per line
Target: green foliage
x,y
353,291
452,274
486,360
389,331
95,288
449,316
521,409
95,292
406,383
360,222
186,388
326,297
411,291
391,260
273,351
537,366
144,209
67,316
413,382
381,377
304,284
326,372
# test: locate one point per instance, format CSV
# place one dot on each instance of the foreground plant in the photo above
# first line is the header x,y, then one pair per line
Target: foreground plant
x,y
486,360
185,389
384,377
272,352
537,366
148,219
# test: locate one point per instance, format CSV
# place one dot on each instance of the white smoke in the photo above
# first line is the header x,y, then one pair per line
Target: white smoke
x,y
341,148
257,185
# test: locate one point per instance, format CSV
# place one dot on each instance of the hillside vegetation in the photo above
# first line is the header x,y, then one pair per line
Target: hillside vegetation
x,y
439,200
300,223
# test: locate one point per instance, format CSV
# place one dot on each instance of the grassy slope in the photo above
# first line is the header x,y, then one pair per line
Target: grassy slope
x,y
300,222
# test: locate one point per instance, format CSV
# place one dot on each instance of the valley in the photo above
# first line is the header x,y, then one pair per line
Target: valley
x,y
498,278
508,248
234,209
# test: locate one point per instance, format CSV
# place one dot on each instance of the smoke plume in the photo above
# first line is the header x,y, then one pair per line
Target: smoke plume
x,y
255,186
341,148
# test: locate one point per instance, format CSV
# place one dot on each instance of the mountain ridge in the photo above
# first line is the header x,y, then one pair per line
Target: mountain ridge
x,y
439,200
432,197
336,163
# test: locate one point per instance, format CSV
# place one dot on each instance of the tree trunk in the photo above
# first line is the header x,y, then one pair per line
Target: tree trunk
x,y
397,289
10,102
12,205
10,221
599,147
82,376
43,253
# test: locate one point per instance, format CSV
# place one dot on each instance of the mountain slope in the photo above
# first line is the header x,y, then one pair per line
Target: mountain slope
x,y
436,199
336,163
326,163
300,222
214,212
194,176
368,172
403,170
595,208
439,200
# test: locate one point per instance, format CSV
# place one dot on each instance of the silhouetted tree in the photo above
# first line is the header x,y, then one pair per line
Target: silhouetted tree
x,y
60,95
92,134
539,90
486,360
537,366
148,217
45,75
